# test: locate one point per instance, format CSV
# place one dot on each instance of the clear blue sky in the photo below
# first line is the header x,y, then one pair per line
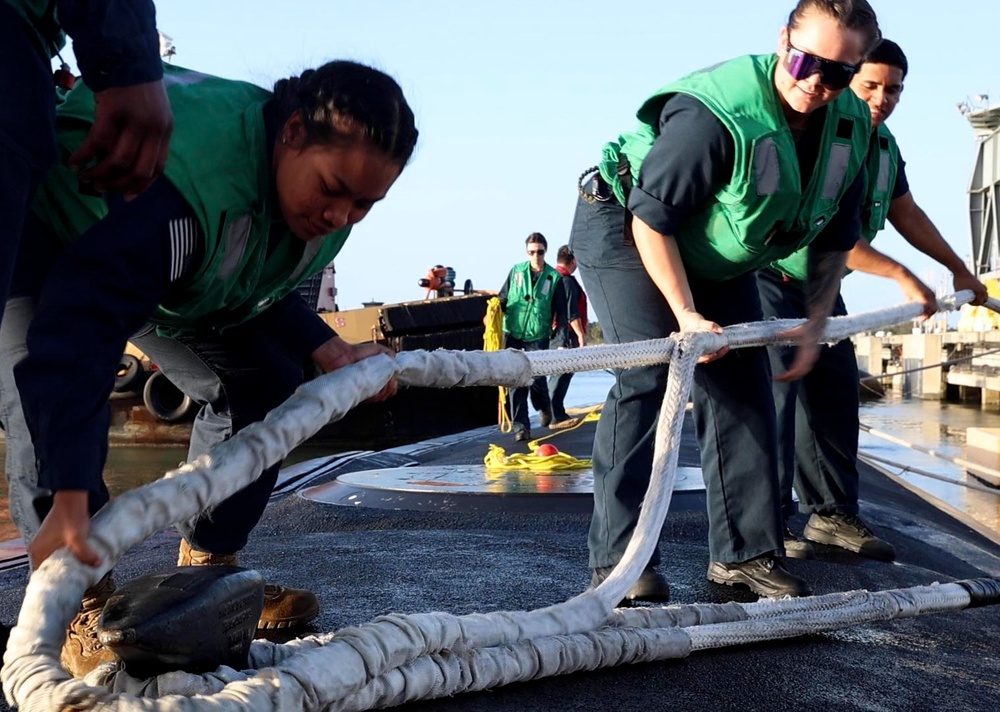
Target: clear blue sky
x,y
514,99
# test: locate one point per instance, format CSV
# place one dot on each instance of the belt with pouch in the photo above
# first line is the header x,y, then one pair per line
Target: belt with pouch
x,y
594,189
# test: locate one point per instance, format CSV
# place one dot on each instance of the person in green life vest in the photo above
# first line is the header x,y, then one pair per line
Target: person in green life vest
x,y
730,169
260,192
532,297
818,416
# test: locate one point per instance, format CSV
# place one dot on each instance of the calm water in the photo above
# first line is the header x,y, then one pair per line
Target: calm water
x,y
130,467
940,426
931,424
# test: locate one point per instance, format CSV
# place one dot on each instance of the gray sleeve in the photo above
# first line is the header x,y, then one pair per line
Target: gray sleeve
x,y
691,157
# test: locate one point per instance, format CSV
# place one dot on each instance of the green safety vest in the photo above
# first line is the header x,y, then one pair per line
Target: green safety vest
x,y
763,213
883,166
880,180
218,161
530,319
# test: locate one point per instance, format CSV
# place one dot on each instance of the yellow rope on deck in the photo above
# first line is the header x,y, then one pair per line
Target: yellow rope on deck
x,y
493,341
498,459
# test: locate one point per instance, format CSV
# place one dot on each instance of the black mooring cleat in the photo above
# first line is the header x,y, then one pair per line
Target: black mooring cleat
x,y
194,618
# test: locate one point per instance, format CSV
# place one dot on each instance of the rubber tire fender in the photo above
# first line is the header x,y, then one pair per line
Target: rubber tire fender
x,y
165,400
129,375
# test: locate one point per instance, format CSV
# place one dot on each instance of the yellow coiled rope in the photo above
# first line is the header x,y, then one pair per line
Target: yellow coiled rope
x,y
498,459
493,341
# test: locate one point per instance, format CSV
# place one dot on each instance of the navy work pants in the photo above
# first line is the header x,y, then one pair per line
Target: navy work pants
x,y
237,376
817,415
558,387
538,390
733,405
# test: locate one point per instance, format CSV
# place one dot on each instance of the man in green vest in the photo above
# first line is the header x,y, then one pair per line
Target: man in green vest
x,y
818,416
532,297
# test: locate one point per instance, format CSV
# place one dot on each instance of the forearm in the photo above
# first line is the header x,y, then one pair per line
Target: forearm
x,y
865,258
68,418
662,260
65,383
912,223
581,334
332,354
99,292
826,269
291,323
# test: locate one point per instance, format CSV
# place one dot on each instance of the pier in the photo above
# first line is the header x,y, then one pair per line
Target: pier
x,y
953,365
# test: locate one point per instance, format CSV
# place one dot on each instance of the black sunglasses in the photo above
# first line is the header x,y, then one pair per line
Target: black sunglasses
x,y
539,251
832,75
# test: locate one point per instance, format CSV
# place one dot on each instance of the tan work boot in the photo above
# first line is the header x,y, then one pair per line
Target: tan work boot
x,y
283,607
82,651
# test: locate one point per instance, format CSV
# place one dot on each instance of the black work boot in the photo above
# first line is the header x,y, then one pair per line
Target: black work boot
x,y
765,575
849,532
652,586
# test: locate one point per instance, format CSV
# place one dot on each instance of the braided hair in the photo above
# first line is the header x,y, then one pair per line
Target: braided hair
x,y
343,101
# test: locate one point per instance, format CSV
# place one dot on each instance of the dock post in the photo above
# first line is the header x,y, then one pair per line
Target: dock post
x,y
982,446
868,350
921,350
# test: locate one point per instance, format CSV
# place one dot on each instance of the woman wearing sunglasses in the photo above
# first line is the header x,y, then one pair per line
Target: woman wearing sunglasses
x,y
730,168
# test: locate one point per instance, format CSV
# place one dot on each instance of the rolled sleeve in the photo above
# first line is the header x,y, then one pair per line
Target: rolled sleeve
x,y
115,41
902,185
690,158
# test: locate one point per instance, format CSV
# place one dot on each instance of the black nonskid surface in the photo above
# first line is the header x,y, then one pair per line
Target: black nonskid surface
x,y
365,562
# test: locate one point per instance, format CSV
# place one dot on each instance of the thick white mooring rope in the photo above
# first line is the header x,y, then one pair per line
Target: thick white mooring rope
x,y
399,658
